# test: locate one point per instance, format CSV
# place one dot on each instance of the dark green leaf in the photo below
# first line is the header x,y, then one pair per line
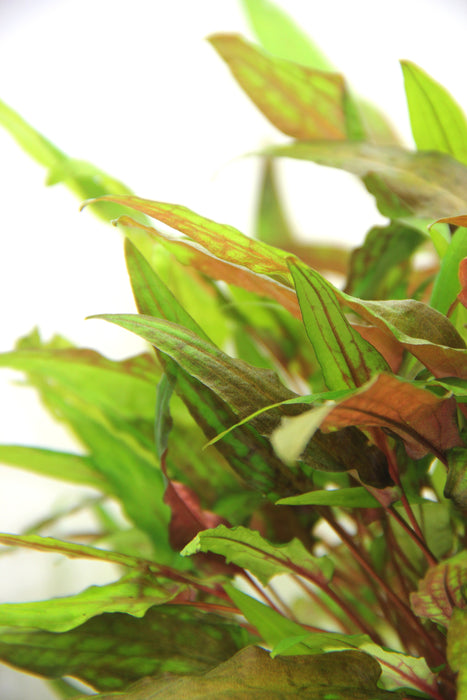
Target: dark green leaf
x,y
112,650
456,481
457,650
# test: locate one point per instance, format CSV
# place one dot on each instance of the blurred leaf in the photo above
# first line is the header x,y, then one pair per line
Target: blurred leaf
x,y
301,102
346,359
247,549
447,285
112,650
132,594
424,185
424,421
457,650
271,625
438,123
83,179
442,590
346,675
462,296
271,223
379,268
456,481
281,36
355,497
77,469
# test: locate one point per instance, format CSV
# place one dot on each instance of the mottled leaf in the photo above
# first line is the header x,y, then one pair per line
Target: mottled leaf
x,y
301,102
457,650
423,331
438,122
133,594
378,269
231,381
221,240
346,675
111,651
346,359
189,254
402,670
425,185
442,590
247,549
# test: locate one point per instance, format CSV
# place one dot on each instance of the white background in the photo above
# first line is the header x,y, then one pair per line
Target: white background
x,y
135,89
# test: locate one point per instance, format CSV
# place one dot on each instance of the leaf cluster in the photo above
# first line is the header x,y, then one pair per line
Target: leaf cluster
x,y
289,454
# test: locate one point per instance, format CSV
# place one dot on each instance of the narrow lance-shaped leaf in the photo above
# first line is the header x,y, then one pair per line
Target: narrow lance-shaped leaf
x,y
447,284
221,240
346,359
304,103
282,37
111,651
247,549
133,594
438,123
425,185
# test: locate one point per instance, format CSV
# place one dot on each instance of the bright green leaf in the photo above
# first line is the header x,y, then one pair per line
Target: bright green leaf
x,y
247,549
438,123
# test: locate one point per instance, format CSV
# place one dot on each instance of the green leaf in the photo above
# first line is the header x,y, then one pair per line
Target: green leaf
x,y
456,482
271,222
281,36
355,497
447,285
247,549
301,102
76,469
346,675
457,650
379,268
346,359
442,590
438,123
112,650
83,179
424,185
132,594
271,625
